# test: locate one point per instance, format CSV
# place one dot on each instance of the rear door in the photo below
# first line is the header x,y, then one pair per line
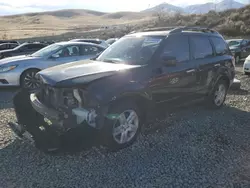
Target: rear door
x,y
174,84
208,53
89,51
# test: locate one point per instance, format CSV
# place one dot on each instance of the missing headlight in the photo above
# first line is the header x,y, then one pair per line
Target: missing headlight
x,y
69,99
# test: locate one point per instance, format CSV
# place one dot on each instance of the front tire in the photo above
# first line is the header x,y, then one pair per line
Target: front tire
x,y
218,96
28,79
122,129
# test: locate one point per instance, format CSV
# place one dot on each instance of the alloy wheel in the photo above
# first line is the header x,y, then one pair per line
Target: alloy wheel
x,y
220,95
30,80
126,127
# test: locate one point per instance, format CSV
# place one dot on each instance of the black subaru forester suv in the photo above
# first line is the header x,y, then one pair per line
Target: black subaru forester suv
x,y
114,93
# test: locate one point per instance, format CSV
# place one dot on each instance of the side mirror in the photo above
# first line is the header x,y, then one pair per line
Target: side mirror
x,y
169,61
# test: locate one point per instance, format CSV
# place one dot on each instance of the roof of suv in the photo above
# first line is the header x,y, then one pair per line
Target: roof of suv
x,y
165,31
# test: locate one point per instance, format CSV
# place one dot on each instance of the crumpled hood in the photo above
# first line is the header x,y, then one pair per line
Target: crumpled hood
x,y
80,72
16,59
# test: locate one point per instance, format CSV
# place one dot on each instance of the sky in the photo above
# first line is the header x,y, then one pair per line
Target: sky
x,y
22,6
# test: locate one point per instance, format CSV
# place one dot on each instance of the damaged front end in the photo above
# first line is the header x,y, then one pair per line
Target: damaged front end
x,y
54,116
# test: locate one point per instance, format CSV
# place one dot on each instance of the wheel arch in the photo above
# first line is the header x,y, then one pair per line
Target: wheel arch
x,y
221,77
142,100
26,70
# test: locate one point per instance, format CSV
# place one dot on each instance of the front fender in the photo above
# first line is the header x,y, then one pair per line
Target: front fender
x,y
108,95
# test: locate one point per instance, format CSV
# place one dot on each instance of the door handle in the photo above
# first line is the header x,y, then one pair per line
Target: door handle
x,y
190,71
217,65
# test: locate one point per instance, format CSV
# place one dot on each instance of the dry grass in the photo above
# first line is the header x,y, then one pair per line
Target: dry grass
x,y
59,22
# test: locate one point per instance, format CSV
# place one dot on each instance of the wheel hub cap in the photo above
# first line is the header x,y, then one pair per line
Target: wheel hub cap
x,y
220,95
125,128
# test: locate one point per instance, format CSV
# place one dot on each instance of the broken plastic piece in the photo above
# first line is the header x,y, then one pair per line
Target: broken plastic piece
x,y
85,115
113,116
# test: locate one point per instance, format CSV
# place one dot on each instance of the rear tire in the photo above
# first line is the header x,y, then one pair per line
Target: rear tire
x,y
218,96
122,129
28,80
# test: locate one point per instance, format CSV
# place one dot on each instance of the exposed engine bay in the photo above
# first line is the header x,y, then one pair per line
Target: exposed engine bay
x,y
69,104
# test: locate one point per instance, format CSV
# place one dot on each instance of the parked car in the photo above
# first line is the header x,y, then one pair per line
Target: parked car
x,y
9,41
111,40
246,66
95,41
7,46
21,70
115,92
240,48
23,49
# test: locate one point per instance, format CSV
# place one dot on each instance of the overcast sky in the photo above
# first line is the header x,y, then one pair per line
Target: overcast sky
x,y
20,6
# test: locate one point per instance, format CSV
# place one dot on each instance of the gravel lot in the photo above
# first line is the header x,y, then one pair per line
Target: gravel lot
x,y
192,148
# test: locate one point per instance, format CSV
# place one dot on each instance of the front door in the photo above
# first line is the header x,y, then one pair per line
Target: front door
x,y
174,84
66,55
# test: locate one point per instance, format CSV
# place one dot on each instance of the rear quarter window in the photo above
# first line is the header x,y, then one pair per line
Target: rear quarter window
x,y
221,47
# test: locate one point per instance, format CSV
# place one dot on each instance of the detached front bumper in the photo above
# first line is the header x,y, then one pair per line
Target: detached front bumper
x,y
20,131
32,125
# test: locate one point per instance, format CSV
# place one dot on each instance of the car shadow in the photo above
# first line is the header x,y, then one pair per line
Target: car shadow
x,y
22,158
180,130
6,97
238,92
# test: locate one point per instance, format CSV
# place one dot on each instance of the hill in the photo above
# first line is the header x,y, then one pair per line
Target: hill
x,y
233,22
62,21
198,8
165,7
81,23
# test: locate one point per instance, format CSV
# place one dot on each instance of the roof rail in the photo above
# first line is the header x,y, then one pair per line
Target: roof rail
x,y
154,29
177,29
194,28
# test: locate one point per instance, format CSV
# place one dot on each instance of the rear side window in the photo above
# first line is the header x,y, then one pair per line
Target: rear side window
x,y
220,46
178,47
89,50
201,47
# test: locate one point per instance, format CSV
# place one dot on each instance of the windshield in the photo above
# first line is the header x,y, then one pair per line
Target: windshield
x,y
234,43
44,52
131,50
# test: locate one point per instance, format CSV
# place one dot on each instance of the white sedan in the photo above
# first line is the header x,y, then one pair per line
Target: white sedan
x,y
246,66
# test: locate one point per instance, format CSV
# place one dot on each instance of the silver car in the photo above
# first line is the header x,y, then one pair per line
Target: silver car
x,y
21,70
